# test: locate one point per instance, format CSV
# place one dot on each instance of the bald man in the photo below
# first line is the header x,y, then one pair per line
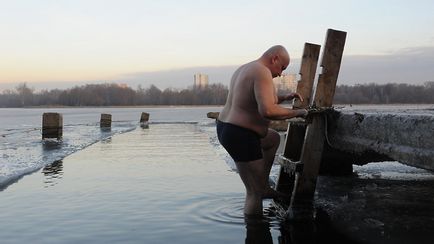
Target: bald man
x,y
242,126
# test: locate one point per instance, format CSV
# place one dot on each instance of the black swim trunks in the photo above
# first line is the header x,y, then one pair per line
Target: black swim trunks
x,y
242,144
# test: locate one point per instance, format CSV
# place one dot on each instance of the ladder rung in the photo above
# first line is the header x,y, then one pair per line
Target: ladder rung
x,y
297,121
290,166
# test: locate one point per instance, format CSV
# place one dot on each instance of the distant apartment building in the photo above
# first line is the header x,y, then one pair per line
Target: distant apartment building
x,y
200,81
287,82
123,85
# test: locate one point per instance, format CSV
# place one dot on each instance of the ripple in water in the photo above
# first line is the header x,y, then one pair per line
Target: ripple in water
x,y
226,209
223,209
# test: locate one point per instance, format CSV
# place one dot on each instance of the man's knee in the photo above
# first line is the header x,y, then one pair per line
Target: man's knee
x,y
271,140
275,137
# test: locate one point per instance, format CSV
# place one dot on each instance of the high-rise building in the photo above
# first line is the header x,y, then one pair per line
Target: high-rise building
x,y
200,81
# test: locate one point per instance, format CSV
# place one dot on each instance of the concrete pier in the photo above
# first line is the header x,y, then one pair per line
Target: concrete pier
x,y
370,137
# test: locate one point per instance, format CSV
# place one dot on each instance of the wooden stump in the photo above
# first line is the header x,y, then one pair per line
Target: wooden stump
x,y
144,118
106,121
212,115
52,125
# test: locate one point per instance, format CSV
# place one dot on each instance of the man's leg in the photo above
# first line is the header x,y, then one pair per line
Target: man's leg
x,y
270,144
253,176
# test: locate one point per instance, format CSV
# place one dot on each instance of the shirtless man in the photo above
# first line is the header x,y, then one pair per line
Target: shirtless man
x,y
242,126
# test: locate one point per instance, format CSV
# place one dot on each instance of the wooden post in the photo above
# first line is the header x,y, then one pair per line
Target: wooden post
x,y
293,145
308,67
212,115
314,140
52,125
296,130
331,64
106,121
144,118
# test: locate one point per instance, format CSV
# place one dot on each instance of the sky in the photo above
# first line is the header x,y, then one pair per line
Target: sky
x,y
62,43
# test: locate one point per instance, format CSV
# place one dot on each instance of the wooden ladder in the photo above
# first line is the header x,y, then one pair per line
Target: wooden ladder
x,y
305,138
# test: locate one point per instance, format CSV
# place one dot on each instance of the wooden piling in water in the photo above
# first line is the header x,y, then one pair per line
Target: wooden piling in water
x,y
52,125
144,118
315,133
213,115
296,130
309,62
105,121
305,141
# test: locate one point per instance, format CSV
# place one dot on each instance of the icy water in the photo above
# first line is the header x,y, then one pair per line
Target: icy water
x,y
171,182
162,184
156,185
22,150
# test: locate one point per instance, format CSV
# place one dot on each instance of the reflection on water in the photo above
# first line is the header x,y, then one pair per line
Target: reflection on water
x,y
105,129
306,231
51,144
53,173
144,125
226,210
106,140
257,230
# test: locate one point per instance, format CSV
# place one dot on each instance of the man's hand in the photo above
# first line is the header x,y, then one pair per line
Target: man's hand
x,y
290,96
302,113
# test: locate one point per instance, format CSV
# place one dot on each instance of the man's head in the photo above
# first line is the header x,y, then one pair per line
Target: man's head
x,y
276,58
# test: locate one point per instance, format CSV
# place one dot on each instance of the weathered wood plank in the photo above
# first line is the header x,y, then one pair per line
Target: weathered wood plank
x,y
295,130
144,117
315,133
105,121
311,158
295,133
294,140
292,150
309,62
52,125
331,62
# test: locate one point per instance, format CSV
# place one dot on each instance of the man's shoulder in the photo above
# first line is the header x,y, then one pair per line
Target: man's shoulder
x,y
256,68
255,64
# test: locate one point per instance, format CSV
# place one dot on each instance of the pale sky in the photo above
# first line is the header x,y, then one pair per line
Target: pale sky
x,y
59,42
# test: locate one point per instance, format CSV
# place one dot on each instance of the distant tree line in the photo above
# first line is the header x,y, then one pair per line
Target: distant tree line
x,y
111,94
385,94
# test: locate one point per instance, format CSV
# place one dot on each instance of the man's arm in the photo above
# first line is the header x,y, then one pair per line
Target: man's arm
x,y
289,97
265,97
